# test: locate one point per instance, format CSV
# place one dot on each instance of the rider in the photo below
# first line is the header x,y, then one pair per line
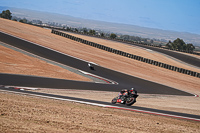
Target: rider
x,y
124,92
90,66
133,91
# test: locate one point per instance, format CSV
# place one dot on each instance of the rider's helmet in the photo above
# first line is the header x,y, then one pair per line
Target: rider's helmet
x,y
132,89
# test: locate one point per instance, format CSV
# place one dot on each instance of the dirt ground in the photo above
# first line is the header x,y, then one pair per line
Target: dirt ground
x,y
17,63
143,52
30,114
27,114
163,102
109,60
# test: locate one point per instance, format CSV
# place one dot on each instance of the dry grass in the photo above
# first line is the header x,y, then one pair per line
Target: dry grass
x,y
146,53
132,67
17,63
27,114
188,105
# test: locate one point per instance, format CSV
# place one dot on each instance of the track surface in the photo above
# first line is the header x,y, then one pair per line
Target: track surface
x,y
109,105
175,54
125,81
178,55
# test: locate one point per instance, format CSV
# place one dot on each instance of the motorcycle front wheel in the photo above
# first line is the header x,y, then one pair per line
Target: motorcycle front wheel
x,y
114,100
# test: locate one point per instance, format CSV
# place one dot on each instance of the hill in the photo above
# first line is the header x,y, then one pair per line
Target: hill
x,y
134,30
20,113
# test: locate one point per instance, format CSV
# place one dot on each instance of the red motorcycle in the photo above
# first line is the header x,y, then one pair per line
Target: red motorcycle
x,y
128,100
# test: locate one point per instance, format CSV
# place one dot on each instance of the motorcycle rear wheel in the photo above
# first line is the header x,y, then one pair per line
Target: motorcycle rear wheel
x,y
130,101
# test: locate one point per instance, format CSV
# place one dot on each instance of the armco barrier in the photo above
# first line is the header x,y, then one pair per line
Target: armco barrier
x,y
144,60
120,40
139,58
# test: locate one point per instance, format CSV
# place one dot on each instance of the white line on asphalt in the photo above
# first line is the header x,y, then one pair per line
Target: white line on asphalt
x,y
112,82
155,113
108,106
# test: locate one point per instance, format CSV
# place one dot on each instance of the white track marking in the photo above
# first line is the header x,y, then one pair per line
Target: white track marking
x,y
112,82
108,106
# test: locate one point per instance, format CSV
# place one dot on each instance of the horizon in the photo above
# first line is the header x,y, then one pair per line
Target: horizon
x,y
178,15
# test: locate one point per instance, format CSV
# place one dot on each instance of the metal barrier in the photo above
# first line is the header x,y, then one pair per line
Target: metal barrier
x,y
139,58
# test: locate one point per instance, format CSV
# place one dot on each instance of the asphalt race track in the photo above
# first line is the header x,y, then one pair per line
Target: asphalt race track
x,y
108,105
178,55
125,81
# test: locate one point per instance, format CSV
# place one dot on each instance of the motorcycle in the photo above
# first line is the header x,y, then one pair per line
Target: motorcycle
x,y
91,66
128,100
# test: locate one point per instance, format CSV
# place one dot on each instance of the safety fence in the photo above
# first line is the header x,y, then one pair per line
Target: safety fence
x,y
125,54
124,40
118,39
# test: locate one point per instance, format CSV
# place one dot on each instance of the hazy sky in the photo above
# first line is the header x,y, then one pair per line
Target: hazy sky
x,y
177,15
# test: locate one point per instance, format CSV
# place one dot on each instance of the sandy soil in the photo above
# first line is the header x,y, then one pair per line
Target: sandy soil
x,y
30,114
103,58
188,105
17,63
143,52
25,114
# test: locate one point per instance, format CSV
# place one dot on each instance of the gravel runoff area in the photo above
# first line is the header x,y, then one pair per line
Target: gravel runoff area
x,y
29,114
